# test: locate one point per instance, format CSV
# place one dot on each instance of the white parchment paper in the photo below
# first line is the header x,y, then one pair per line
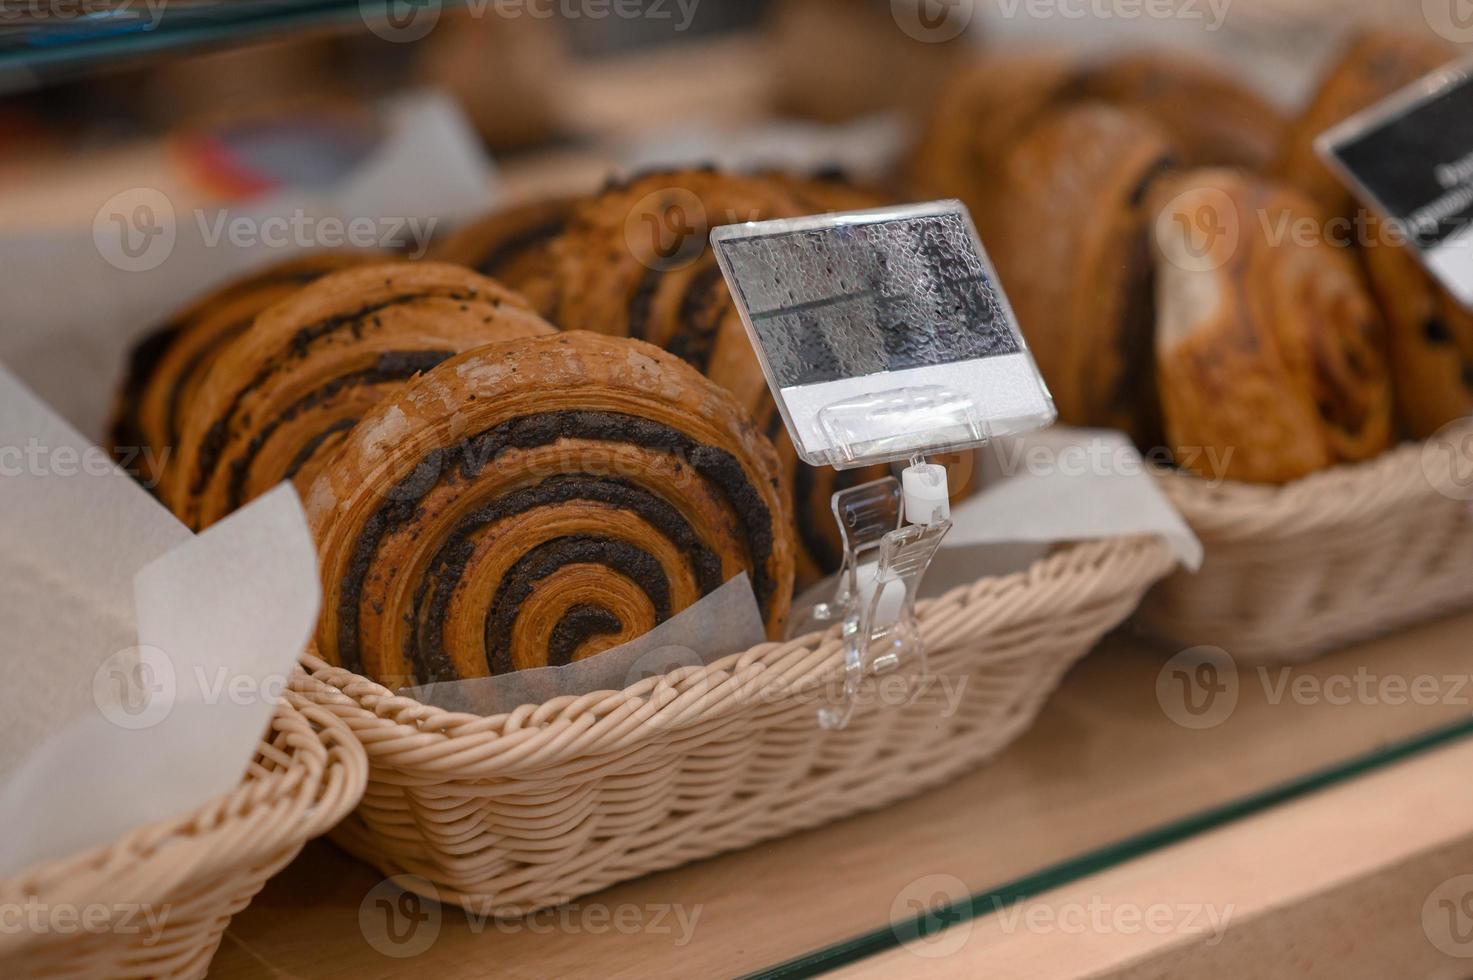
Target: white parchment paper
x,y
140,664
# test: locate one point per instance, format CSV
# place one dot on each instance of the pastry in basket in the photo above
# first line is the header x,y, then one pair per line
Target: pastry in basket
x,y
538,501
285,392
1072,246
1268,349
1213,119
1373,66
166,368
511,246
1430,333
636,262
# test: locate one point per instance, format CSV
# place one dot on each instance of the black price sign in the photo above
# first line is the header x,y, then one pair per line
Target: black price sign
x,y
1411,159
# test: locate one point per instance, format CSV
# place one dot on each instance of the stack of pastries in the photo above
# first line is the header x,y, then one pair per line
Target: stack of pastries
x,y
539,443
1167,239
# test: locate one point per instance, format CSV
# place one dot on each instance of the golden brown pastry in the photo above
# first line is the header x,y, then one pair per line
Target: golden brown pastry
x,y
989,107
1269,352
167,368
1373,66
1430,333
1071,242
512,247
539,501
285,393
1210,117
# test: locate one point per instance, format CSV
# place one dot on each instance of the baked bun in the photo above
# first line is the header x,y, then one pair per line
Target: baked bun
x,y
168,366
512,247
1430,333
1071,241
1212,119
284,394
1268,352
1373,66
536,502
989,107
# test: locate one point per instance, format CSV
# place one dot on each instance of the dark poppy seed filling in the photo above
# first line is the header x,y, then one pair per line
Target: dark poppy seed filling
x,y
143,361
699,318
514,245
176,390
427,646
466,459
578,625
391,366
212,446
309,448
641,301
632,562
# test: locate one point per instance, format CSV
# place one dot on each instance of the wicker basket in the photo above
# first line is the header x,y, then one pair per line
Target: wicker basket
x,y
198,870
520,811
1339,557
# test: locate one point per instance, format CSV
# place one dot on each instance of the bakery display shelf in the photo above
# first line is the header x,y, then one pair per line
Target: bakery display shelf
x,y
41,42
1104,778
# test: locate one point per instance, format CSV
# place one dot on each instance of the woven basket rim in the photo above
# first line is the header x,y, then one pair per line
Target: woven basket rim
x,y
1323,501
401,732
316,782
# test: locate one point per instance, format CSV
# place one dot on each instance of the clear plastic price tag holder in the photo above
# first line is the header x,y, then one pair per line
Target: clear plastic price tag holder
x,y
1409,158
885,338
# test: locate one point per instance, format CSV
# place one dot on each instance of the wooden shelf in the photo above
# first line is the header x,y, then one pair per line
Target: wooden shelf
x,y
1104,764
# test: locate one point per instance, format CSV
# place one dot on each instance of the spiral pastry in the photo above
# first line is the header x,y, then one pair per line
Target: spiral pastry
x,y
1269,350
1072,244
284,393
537,502
1430,332
512,247
167,367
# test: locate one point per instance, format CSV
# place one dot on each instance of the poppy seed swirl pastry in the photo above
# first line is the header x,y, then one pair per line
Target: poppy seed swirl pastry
x,y
513,247
168,366
1072,247
285,392
537,502
1430,333
1269,352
